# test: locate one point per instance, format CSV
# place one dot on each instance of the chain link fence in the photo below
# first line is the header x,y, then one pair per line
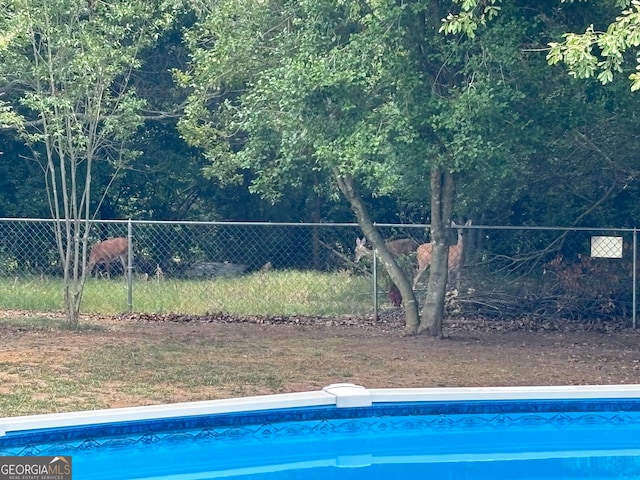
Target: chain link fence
x,y
309,269
551,273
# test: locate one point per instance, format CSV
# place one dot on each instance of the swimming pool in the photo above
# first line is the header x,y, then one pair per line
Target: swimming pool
x,y
346,431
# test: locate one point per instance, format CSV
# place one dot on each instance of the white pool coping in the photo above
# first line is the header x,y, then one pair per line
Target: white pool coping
x,y
340,395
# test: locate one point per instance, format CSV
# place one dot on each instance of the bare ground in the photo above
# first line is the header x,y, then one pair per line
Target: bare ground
x,y
273,355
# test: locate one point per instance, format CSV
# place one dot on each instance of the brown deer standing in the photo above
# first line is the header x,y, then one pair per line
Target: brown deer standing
x,y
107,252
456,257
397,248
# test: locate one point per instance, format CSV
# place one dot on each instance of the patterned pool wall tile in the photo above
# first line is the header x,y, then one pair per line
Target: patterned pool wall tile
x,y
325,420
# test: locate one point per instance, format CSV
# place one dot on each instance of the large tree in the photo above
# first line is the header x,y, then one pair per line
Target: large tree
x,y
298,84
65,70
369,94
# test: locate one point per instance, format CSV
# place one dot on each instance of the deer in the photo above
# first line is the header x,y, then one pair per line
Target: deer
x,y
107,252
455,260
397,248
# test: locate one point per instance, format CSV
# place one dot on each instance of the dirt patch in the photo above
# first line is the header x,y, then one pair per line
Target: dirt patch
x,y
141,360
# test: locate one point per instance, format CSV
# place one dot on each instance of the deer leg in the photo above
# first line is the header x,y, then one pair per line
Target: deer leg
x,y
454,277
418,275
416,278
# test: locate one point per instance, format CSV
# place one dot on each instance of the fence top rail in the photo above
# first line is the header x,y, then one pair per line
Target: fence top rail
x,y
184,222
327,225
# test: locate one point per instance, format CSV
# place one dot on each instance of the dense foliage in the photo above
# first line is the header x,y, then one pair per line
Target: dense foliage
x,y
532,145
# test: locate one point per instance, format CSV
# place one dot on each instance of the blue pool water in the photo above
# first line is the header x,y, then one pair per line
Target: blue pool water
x,y
497,439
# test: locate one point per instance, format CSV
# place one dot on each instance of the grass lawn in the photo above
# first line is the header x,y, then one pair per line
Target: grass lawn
x,y
262,293
108,362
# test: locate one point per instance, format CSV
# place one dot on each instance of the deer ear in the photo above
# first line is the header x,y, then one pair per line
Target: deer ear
x,y
360,242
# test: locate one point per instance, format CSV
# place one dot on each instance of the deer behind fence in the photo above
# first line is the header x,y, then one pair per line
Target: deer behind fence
x,y
397,248
455,260
108,251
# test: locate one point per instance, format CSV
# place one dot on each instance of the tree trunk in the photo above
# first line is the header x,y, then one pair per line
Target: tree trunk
x,y
442,197
397,275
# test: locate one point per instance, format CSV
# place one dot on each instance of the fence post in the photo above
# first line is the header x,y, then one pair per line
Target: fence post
x,y
635,258
130,267
375,285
